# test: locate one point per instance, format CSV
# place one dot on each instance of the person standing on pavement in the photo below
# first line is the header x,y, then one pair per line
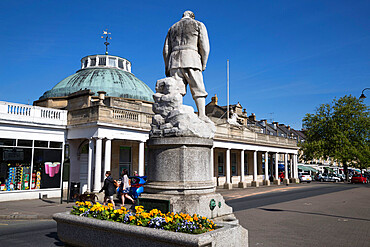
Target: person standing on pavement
x,y
109,188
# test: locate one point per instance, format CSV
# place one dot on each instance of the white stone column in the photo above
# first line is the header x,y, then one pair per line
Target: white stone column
x,y
242,183
228,184
107,155
141,158
276,166
277,180
98,173
286,178
295,158
291,165
255,182
295,178
90,164
266,181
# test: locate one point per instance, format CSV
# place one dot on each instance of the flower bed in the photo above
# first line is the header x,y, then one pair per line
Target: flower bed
x,y
176,222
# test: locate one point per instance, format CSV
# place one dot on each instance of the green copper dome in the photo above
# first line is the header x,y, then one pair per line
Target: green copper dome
x,y
103,73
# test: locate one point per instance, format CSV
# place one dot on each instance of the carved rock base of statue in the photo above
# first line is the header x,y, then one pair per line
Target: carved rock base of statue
x,y
172,118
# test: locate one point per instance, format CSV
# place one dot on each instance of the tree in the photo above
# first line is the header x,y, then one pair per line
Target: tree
x,y
340,130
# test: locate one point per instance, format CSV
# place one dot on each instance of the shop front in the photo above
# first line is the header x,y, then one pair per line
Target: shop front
x,y
31,153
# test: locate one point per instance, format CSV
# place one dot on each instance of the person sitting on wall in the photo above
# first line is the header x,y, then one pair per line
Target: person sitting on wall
x,y
124,187
109,188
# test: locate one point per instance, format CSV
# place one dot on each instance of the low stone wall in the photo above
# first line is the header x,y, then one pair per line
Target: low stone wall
x,y
81,231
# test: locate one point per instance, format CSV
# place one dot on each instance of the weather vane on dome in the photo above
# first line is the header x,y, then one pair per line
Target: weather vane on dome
x,y
106,43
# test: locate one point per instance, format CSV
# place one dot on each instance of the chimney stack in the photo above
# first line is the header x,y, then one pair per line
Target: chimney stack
x,y
214,100
252,117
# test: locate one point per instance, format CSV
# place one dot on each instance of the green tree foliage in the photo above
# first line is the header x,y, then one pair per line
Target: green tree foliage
x,y
340,130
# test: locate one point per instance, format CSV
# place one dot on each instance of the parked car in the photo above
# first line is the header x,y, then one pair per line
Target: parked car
x,y
329,178
359,178
304,177
317,176
342,177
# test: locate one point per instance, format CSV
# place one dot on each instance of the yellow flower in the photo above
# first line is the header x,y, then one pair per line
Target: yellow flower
x,y
131,218
145,215
168,219
139,209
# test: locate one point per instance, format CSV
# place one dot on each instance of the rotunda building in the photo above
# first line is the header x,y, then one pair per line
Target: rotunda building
x,y
111,74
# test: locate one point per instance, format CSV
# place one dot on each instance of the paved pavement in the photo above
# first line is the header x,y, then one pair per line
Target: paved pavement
x,y
32,209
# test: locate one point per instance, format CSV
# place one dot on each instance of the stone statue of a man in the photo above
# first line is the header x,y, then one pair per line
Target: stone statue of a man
x,y
185,55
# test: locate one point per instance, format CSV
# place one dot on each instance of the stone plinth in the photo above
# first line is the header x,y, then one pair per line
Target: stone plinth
x,y
242,184
75,230
255,184
211,205
228,186
277,181
179,166
294,180
179,171
266,182
286,181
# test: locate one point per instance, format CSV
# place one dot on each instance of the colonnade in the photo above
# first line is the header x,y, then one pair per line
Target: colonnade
x,y
95,160
291,176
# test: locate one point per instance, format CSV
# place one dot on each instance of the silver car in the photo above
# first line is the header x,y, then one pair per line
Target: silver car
x,y
305,177
330,178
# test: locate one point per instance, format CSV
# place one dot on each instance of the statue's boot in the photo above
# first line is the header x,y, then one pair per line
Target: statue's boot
x,y
201,105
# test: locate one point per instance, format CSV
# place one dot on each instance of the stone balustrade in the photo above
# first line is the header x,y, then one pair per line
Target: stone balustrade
x,y
111,115
32,114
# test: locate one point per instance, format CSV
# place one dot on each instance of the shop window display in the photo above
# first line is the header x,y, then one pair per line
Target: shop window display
x,y
46,168
19,172
15,168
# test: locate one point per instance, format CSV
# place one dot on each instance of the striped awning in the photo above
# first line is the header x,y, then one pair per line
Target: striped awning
x,y
306,168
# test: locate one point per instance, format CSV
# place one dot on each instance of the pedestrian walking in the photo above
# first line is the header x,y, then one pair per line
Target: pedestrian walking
x,y
125,187
109,188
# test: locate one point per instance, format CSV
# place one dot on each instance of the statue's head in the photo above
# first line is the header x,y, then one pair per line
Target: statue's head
x,y
188,13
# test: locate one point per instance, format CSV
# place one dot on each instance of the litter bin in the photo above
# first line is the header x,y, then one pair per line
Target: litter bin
x,y
74,190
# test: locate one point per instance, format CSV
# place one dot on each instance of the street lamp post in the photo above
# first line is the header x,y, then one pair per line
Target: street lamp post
x,y
362,94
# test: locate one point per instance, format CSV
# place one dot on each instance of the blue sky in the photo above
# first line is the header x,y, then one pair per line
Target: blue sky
x,y
286,57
